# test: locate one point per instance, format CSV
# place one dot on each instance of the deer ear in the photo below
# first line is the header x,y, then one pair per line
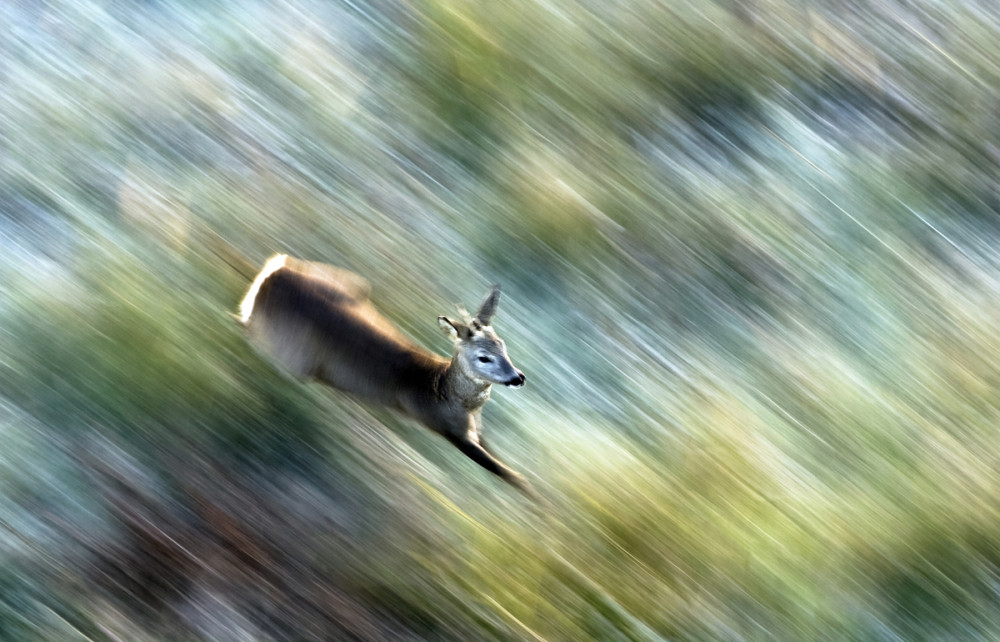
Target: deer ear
x,y
489,306
454,329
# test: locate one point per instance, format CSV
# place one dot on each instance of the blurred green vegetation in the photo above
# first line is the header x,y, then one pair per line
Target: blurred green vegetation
x,y
748,250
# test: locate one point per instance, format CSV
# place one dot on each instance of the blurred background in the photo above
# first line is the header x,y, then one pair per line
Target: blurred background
x,y
749,251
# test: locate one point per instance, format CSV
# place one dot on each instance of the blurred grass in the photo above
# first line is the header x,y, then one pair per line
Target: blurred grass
x,y
748,251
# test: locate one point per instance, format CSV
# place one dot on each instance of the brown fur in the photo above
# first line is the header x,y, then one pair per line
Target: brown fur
x,y
317,321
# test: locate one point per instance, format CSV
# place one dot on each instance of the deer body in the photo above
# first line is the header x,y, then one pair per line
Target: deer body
x,y
317,321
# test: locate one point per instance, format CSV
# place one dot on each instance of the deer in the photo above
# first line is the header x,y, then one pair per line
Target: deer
x,y
318,323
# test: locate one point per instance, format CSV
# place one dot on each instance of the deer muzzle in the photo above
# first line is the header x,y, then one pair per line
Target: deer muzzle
x,y
517,381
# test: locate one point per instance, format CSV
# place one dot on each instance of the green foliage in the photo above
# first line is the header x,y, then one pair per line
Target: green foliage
x,y
18,612
748,259
135,351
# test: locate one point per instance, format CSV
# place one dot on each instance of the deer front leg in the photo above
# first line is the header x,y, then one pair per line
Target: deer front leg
x,y
478,454
477,432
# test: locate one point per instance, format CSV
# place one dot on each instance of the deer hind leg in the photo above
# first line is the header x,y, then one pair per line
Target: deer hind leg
x,y
478,454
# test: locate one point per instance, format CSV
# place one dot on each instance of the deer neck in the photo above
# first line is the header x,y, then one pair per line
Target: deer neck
x,y
459,385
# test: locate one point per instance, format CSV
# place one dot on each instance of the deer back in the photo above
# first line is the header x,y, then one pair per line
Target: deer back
x,y
317,321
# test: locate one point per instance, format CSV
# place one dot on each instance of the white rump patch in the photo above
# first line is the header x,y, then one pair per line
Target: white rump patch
x,y
273,264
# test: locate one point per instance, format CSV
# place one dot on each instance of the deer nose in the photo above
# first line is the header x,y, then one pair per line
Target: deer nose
x,y
517,381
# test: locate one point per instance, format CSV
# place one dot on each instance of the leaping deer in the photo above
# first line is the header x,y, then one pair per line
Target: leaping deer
x,y
316,321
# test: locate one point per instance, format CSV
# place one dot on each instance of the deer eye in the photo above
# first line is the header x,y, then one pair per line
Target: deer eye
x,y
485,359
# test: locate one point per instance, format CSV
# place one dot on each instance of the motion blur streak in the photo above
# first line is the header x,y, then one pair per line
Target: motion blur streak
x,y
749,256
